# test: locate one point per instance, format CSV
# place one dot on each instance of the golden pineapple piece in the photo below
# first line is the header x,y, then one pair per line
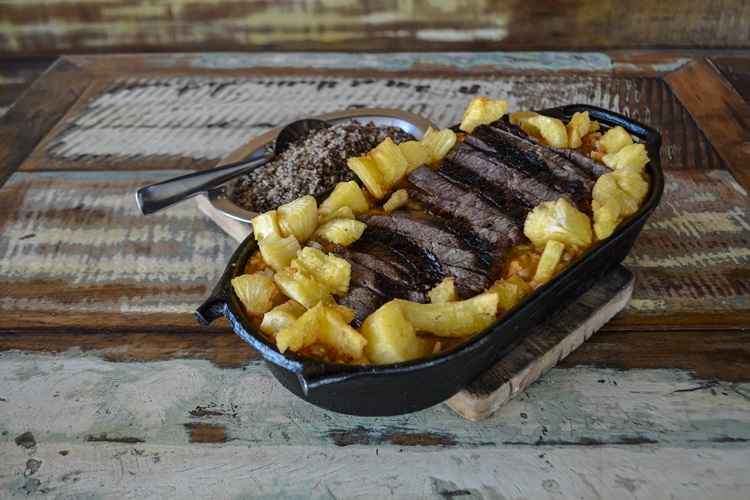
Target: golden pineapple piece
x,y
346,313
482,111
336,333
265,224
256,291
558,220
342,232
617,195
614,140
443,292
369,173
396,201
452,319
594,126
606,217
551,256
303,332
416,154
390,161
438,143
391,338
607,188
281,316
302,288
278,252
518,117
340,213
330,271
551,130
345,194
299,217
578,126
632,156
510,292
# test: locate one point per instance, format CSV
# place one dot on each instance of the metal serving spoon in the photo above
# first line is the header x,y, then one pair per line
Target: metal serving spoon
x,y
155,197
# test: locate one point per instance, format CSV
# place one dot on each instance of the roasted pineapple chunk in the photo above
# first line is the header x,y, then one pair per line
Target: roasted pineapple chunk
x,y
323,324
278,252
299,218
558,220
416,154
340,213
303,332
330,271
334,332
438,143
390,161
397,200
617,195
391,338
281,317
369,173
632,156
510,292
551,130
614,140
301,287
345,194
452,319
482,111
551,256
342,232
443,292
256,291
578,126
265,224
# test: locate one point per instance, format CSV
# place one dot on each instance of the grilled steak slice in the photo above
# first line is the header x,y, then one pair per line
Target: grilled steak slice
x,y
363,301
583,162
366,272
486,221
471,269
586,165
536,161
478,167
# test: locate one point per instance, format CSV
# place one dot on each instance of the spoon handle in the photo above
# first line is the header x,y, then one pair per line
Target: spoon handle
x,y
155,197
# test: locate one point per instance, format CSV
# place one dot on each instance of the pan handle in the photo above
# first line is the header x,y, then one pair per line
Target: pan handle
x,y
210,310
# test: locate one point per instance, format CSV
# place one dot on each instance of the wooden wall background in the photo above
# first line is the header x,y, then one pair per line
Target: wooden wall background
x,y
49,27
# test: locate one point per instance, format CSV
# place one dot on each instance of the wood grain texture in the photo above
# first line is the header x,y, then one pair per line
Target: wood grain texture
x,y
736,69
88,258
544,347
38,27
192,122
719,111
111,429
36,112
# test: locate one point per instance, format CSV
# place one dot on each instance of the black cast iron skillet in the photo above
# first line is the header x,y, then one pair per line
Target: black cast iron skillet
x,y
406,387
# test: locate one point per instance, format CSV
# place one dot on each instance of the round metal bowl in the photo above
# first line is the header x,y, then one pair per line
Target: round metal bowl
x,y
220,200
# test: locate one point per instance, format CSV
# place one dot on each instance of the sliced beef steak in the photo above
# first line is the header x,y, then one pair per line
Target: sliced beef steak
x,y
363,300
536,161
470,267
481,167
466,207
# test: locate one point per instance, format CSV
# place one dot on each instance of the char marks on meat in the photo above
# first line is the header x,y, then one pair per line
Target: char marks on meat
x,y
512,187
557,174
471,268
466,207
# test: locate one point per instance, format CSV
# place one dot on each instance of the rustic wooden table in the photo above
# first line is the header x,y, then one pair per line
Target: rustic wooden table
x,y
109,388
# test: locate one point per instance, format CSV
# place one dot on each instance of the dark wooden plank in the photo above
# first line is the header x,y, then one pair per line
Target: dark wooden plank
x,y
719,111
736,69
98,25
36,112
16,75
720,355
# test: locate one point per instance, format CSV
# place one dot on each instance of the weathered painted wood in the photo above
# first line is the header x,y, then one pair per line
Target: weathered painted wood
x,y
721,113
116,429
65,260
736,69
36,112
191,122
35,26
545,346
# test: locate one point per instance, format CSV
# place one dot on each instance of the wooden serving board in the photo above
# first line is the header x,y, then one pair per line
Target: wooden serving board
x,y
550,342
